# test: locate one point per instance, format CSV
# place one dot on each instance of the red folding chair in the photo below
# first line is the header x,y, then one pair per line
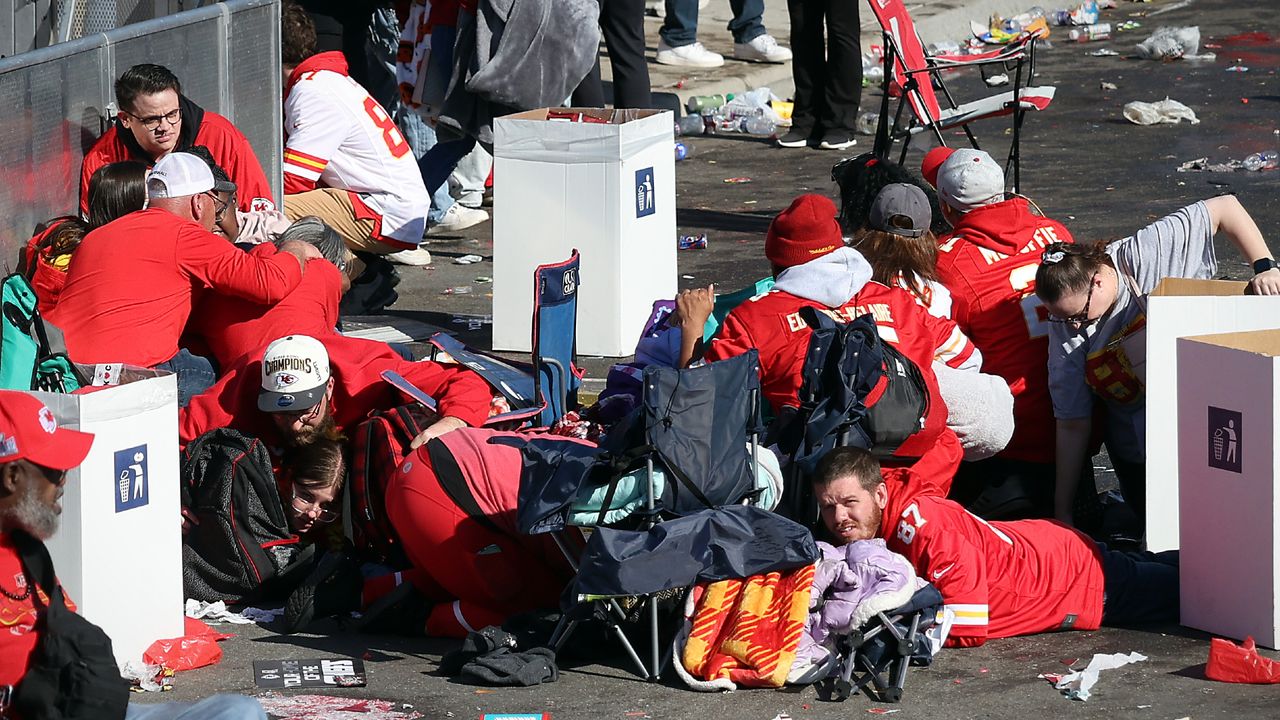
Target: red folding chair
x,y
915,72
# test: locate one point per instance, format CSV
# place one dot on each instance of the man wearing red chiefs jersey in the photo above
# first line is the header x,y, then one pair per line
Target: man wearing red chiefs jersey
x,y
814,268
998,579
989,264
155,119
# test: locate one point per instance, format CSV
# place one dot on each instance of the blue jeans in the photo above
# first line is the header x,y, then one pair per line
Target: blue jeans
x,y
681,24
218,707
1139,587
439,162
195,374
384,39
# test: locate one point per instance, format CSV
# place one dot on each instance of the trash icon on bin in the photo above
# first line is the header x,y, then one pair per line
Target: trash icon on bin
x,y
1225,428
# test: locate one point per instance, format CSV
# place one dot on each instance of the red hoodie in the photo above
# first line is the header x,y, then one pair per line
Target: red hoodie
x,y
989,263
1001,579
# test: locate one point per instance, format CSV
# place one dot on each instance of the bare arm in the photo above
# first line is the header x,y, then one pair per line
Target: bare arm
x,y
1073,453
693,307
1229,216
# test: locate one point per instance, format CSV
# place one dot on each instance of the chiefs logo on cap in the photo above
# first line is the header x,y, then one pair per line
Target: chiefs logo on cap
x,y
46,420
284,380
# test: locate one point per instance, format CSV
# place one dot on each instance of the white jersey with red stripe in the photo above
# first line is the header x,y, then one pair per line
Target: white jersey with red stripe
x,y
340,137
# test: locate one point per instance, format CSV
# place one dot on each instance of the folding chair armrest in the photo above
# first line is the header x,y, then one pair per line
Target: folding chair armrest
x,y
564,380
940,63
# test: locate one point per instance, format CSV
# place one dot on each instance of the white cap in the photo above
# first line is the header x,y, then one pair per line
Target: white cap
x,y
969,179
295,374
178,174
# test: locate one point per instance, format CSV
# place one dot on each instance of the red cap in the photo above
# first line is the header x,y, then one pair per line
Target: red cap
x,y
932,161
28,431
805,231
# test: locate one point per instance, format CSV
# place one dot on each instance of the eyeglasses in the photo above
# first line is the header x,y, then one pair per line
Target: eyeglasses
x,y
303,506
1080,319
220,206
308,414
151,122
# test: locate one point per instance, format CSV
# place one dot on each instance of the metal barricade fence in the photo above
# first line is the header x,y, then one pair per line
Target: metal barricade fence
x,y
27,25
57,101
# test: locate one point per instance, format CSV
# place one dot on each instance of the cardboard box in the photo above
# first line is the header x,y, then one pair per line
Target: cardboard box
x,y
1229,387
607,189
118,551
1179,307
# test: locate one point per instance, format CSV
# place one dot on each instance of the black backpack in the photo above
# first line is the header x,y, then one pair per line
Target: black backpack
x,y
844,364
72,674
243,549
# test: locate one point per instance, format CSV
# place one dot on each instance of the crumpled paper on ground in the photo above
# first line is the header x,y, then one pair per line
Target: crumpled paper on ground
x,y
1076,684
1203,164
144,675
218,612
1164,111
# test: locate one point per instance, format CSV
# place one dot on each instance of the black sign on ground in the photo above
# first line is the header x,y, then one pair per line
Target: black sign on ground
x,y
319,673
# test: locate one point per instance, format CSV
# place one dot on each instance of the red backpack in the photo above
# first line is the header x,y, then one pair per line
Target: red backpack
x,y
379,446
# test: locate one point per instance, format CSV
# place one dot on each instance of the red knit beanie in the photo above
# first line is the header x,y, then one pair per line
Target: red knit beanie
x,y
805,231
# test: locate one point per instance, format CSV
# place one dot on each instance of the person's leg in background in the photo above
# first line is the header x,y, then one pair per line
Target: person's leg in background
x,y
678,38
195,374
808,69
218,707
622,25
467,181
750,40
842,89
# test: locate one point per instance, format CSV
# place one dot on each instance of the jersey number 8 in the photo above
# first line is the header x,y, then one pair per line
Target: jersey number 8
x,y
390,133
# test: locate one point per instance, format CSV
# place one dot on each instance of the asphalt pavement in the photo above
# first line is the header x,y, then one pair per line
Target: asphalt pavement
x,y
1083,164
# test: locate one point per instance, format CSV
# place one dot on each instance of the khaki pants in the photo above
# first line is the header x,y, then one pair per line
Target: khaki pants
x,y
334,207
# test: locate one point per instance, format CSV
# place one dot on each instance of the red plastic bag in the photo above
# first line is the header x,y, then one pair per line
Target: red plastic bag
x,y
1233,663
199,647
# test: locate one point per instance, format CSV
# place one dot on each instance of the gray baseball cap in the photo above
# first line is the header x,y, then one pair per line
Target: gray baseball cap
x,y
901,209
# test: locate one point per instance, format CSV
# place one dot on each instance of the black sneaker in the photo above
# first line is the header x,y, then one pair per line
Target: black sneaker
x,y
402,611
837,140
794,139
331,589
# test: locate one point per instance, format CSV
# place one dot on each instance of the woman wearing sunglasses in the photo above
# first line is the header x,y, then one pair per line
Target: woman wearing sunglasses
x,y
1096,299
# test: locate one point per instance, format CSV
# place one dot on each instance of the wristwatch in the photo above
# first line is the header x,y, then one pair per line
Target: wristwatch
x,y
1263,265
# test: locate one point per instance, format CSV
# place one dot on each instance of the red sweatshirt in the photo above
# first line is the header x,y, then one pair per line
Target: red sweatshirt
x,y
231,329
229,147
130,286
772,324
359,389
1001,579
989,264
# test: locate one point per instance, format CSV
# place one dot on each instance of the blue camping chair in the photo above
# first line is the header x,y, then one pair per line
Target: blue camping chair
x,y
542,391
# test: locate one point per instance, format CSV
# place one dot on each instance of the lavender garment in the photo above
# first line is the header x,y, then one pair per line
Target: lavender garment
x,y
855,582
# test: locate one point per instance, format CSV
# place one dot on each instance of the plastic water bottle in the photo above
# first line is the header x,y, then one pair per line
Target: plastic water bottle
x,y
1089,33
873,75
946,47
457,290
867,123
690,125
1059,17
1269,160
700,104
759,125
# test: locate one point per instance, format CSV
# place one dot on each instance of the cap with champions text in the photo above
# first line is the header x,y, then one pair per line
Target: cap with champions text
x,y
295,374
28,431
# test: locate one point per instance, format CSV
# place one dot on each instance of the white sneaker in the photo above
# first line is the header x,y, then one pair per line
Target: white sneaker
x,y
692,55
418,256
761,49
458,217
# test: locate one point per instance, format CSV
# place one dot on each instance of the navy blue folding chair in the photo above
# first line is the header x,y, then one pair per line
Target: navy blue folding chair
x,y
542,391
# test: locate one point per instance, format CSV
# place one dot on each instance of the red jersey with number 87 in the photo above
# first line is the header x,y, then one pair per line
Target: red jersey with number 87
x,y
999,579
989,264
340,137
